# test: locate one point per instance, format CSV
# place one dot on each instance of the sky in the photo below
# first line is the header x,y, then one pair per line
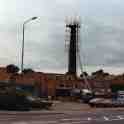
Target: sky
x,y
101,34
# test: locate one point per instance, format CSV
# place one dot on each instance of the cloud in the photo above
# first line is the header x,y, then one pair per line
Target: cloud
x,y
101,32
102,44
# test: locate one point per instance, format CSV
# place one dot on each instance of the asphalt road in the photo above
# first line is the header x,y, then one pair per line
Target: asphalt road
x,y
71,117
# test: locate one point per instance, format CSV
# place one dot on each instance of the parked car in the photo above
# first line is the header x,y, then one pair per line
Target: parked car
x,y
38,103
100,102
119,100
86,95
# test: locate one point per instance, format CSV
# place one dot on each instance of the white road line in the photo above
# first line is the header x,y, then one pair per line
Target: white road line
x,y
66,120
79,122
120,117
78,119
89,119
19,123
117,117
37,122
71,119
106,118
44,122
66,123
76,122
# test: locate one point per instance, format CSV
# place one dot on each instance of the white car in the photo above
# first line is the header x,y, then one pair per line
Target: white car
x,y
100,102
119,102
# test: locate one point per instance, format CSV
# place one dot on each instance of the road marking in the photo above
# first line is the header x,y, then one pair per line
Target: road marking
x,y
76,122
63,120
71,119
77,119
89,119
120,117
19,123
44,122
50,122
106,118
37,122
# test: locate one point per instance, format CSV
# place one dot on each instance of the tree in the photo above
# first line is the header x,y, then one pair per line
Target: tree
x,y
106,74
12,68
85,74
28,70
99,72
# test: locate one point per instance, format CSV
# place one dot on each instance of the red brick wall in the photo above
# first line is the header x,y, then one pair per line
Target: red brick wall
x,y
4,76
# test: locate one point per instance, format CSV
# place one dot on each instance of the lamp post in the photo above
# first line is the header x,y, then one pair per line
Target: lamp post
x,y
22,57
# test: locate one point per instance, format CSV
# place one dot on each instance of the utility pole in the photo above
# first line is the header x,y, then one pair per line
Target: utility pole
x,y
22,56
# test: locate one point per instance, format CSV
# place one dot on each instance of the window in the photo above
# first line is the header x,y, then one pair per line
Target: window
x,y
61,85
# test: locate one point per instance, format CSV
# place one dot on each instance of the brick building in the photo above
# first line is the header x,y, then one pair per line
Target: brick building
x,y
4,76
48,84
57,82
117,83
34,79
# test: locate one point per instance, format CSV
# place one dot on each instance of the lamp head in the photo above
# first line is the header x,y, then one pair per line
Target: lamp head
x,y
33,18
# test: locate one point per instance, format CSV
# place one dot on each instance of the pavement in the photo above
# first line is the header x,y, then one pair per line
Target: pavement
x,y
36,117
70,106
63,113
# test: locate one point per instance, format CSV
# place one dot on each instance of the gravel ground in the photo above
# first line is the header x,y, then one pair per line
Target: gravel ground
x,y
59,106
69,106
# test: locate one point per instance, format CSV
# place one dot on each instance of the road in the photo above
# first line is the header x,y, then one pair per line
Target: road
x,y
71,117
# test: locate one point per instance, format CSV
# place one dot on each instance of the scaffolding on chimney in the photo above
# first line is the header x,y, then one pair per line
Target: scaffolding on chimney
x,y
72,45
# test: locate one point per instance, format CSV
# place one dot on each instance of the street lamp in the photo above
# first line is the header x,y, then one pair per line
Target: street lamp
x,y
22,59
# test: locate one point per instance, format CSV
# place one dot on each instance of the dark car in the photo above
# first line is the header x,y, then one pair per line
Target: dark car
x,y
38,103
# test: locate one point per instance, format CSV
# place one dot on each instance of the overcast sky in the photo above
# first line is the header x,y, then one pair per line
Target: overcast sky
x,y
101,35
